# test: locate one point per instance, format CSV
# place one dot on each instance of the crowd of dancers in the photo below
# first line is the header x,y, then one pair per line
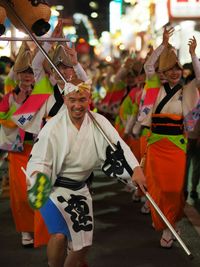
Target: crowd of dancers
x,y
152,102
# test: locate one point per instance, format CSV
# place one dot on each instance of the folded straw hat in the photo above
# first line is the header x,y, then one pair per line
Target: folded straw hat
x,y
137,67
60,56
168,59
24,58
46,65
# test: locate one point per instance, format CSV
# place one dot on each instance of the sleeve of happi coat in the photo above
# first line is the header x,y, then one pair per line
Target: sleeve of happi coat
x,y
37,63
41,157
190,91
149,65
114,138
80,72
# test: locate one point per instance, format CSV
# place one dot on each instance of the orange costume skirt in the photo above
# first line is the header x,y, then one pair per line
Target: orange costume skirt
x,y
25,218
133,143
165,168
41,234
22,213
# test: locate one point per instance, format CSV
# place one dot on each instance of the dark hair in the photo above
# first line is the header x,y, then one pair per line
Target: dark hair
x,y
7,60
2,67
28,70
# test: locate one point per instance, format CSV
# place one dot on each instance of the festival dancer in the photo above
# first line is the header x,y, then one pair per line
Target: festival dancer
x,y
19,144
69,147
164,112
46,101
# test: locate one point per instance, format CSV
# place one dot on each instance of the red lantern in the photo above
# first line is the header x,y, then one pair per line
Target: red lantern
x,y
2,20
34,13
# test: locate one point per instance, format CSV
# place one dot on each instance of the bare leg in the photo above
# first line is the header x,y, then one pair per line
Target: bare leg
x,y
76,258
57,250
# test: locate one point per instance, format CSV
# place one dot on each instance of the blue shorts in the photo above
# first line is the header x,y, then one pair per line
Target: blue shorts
x,y
54,219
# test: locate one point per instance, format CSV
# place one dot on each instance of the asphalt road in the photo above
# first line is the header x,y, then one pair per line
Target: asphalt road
x,y
123,237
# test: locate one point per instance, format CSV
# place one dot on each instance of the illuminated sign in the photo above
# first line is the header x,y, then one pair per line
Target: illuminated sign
x,y
184,9
115,10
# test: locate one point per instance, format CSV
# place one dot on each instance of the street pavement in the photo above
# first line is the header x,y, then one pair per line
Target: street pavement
x,y
123,237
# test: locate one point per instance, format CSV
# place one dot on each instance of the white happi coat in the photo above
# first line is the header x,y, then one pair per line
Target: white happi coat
x,y
63,150
10,138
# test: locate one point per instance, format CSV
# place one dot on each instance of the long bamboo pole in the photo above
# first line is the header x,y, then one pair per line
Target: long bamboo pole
x,y
39,39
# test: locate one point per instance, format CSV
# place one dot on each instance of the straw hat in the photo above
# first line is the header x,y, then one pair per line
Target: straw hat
x,y
24,58
168,59
60,56
46,65
136,67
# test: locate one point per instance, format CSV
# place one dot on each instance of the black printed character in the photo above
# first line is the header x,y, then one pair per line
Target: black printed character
x,y
79,210
115,162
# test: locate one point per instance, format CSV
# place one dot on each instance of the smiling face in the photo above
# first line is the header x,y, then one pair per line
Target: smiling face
x,y
173,75
26,78
77,103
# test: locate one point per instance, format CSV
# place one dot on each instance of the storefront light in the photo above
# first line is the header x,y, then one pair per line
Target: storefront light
x,y
138,43
115,10
122,47
59,7
54,11
108,59
161,14
93,5
94,15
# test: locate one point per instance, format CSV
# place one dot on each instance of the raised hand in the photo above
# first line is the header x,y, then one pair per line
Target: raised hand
x,y
192,45
167,33
57,32
71,51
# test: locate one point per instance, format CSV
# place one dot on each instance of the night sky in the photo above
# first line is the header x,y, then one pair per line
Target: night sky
x,y
82,6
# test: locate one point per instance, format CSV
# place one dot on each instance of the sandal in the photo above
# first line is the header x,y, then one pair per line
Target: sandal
x,y
136,197
166,240
27,240
164,243
145,209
